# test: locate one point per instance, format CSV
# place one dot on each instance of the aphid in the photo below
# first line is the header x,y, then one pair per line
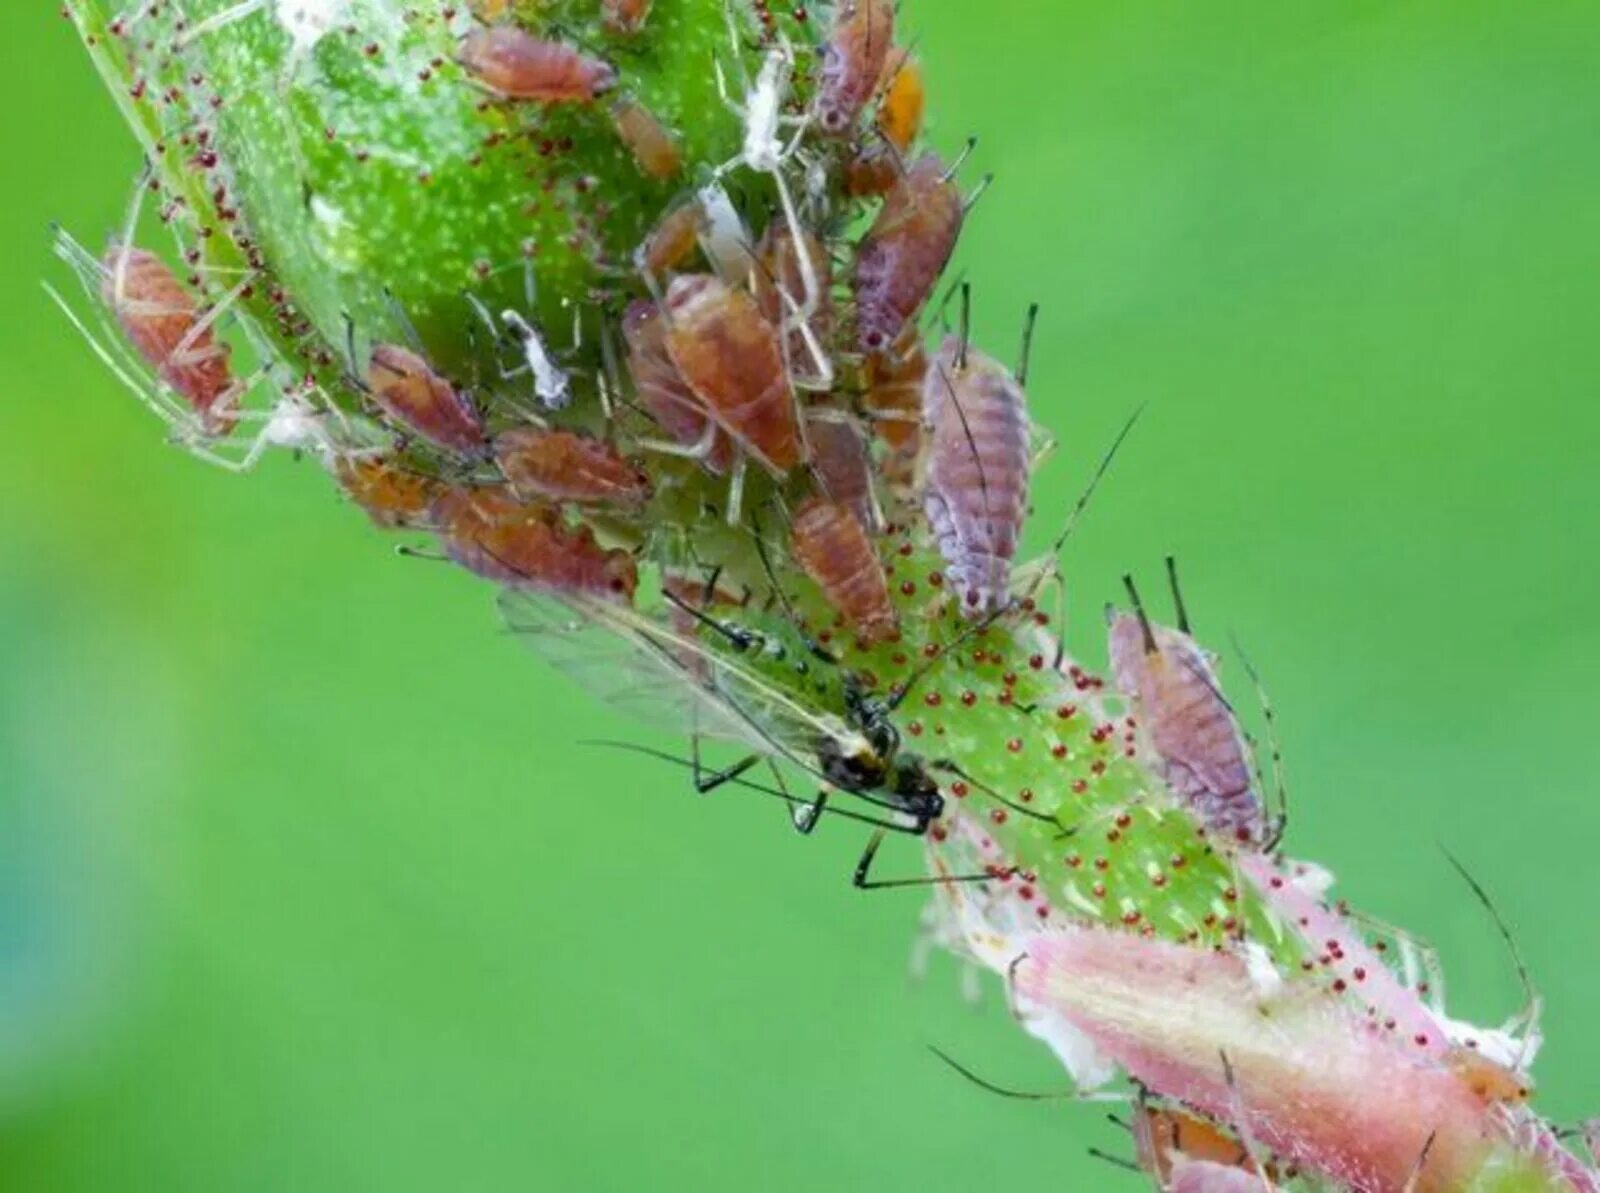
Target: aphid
x,y
550,382
852,62
517,65
871,170
669,244
1173,686
407,389
842,466
624,17
167,329
902,255
729,355
975,485
665,395
561,465
654,148
494,535
893,399
832,548
1165,1136
392,495
1491,1082
900,110
789,270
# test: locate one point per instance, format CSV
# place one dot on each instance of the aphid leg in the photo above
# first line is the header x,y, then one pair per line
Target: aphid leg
x,y
700,449
950,768
183,352
1115,1161
1280,785
862,880
736,487
707,781
1526,1020
152,396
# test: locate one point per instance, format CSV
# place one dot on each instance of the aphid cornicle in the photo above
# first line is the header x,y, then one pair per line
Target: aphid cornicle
x,y
1170,680
561,465
832,548
852,62
491,533
624,17
165,326
843,467
653,147
407,389
517,65
975,478
392,495
899,261
665,396
729,354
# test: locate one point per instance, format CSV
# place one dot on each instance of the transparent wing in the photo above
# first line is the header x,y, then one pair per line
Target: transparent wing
x,y
644,667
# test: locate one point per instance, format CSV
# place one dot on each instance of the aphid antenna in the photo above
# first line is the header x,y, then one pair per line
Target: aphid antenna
x,y
898,696
737,638
1025,354
739,781
1116,1161
1020,809
1421,1162
1073,1095
978,192
1529,1015
862,882
961,159
1274,751
1138,608
123,369
119,275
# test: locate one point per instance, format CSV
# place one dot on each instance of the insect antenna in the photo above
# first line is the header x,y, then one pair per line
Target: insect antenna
x,y
1138,608
1006,1092
1118,1161
737,638
1177,594
1084,498
1274,751
942,311
1530,1011
1026,353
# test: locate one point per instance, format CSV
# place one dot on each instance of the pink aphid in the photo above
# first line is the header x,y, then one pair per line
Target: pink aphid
x,y
975,488
899,261
166,327
852,62
1191,727
407,389
664,394
517,65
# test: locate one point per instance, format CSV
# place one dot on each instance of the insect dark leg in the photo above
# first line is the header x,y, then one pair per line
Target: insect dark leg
x,y
706,781
862,882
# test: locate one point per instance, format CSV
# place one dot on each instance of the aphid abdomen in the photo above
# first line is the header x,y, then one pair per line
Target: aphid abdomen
x,y
648,140
852,62
163,325
562,465
833,549
663,393
409,391
392,495
902,255
839,459
975,487
624,17
1189,725
489,532
517,65
729,355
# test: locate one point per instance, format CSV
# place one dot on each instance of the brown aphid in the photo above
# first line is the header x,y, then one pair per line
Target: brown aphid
x,y
653,147
842,466
975,479
904,98
673,240
1491,1083
729,354
871,170
166,327
1163,1135
852,62
561,465
407,389
1177,698
517,65
893,398
665,395
624,17
899,261
392,495
834,550
779,284
488,531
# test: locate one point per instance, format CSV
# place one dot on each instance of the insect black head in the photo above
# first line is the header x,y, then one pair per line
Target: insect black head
x,y
861,771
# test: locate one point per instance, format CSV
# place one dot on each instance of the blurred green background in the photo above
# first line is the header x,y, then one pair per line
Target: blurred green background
x,y
304,884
